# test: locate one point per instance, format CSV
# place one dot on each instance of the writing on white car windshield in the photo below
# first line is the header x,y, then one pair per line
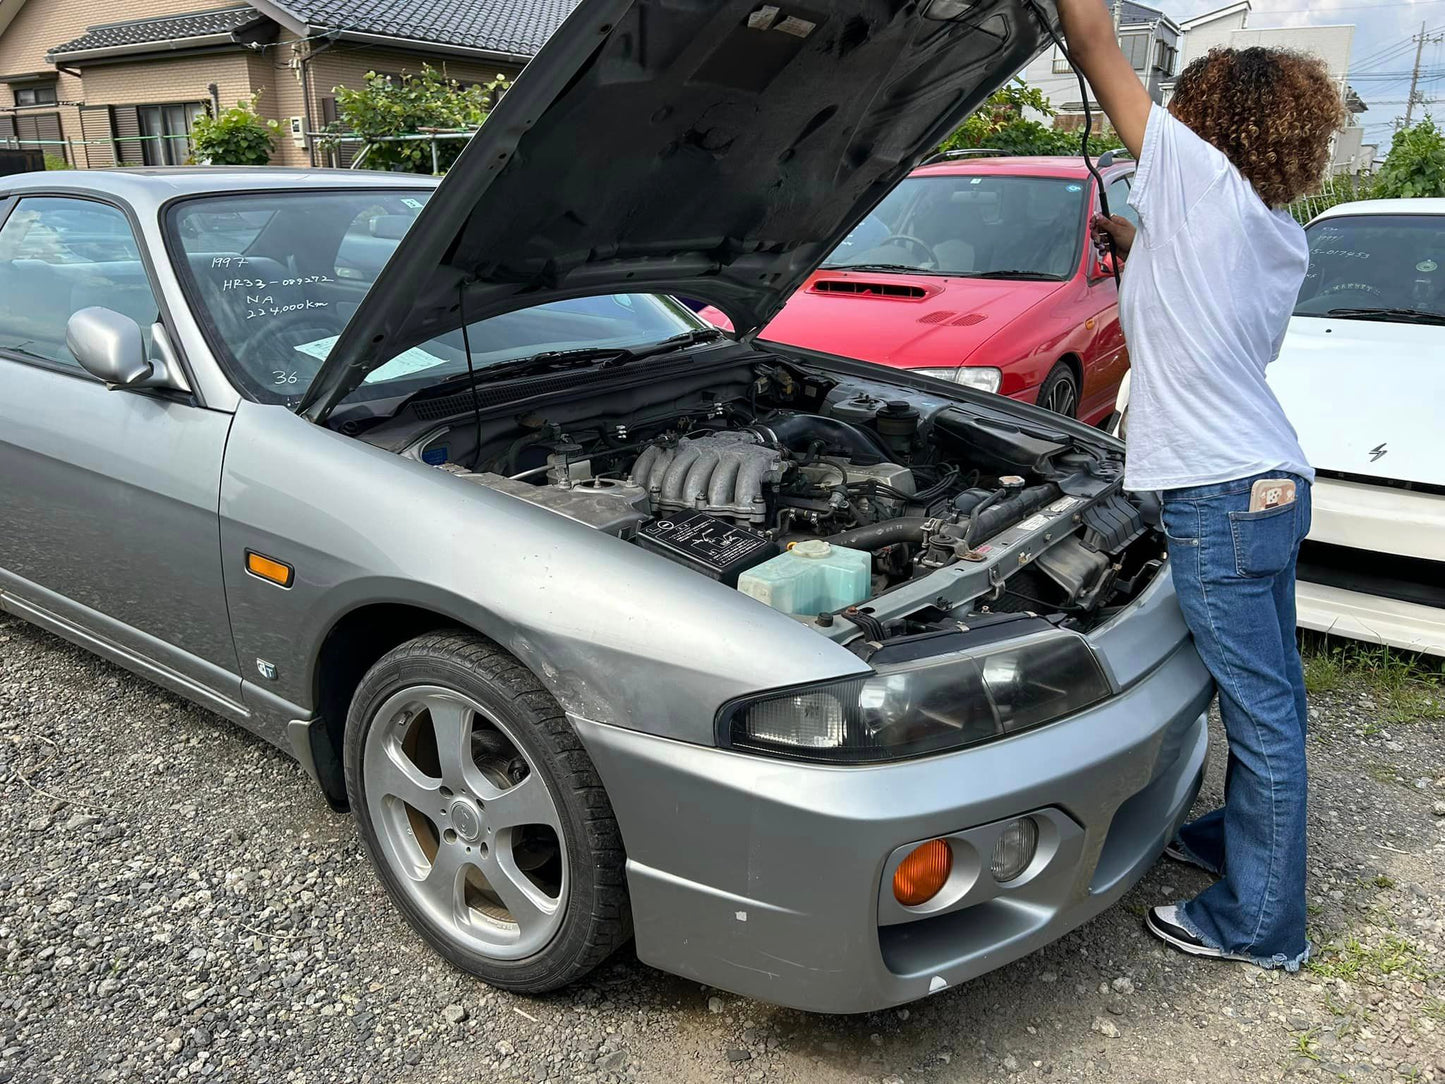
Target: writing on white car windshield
x,y
275,277
1376,267
994,225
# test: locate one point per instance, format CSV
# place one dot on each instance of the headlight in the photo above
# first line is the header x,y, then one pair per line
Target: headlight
x,y
982,378
909,708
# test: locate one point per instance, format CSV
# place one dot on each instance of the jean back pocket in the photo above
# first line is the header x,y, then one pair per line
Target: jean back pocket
x,y
1265,541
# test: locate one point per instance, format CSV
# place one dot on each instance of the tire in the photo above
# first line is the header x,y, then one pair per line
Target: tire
x,y
502,853
1060,391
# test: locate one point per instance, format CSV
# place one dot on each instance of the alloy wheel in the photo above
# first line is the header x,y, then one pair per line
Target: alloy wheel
x,y
1063,399
463,817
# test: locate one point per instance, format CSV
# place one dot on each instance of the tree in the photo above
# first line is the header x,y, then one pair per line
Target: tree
x,y
412,105
1415,165
1000,123
237,137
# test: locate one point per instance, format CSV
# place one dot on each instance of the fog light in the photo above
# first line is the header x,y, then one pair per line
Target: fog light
x,y
1015,849
923,873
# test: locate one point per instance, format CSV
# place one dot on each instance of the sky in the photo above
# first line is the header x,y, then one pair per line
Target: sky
x,y
1382,56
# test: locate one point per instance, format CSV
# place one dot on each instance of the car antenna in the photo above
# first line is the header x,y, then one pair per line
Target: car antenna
x,y
471,372
1088,131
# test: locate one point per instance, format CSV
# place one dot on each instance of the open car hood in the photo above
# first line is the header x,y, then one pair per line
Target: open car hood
x,y
716,149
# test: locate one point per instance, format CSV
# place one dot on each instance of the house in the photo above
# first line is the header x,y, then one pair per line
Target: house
x,y
1228,27
120,82
1148,37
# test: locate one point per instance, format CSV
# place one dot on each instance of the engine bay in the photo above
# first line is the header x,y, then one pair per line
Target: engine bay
x,y
855,506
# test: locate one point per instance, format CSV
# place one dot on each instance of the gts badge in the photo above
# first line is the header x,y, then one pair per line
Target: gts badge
x,y
266,669
1377,452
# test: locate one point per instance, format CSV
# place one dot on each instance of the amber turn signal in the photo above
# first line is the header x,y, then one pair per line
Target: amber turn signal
x,y
923,873
269,569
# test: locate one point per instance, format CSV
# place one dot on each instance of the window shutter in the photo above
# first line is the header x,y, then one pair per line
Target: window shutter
x,y
95,125
125,121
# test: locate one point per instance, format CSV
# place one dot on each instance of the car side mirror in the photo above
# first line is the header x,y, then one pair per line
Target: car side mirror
x,y
112,347
109,346
1103,267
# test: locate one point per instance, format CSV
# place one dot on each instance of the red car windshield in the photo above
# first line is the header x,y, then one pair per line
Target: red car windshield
x,y
980,225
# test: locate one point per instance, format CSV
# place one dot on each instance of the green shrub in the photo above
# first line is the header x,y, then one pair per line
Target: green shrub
x,y
1000,124
409,105
236,137
56,161
1415,166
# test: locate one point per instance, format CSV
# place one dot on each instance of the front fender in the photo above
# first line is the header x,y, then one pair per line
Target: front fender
x,y
617,635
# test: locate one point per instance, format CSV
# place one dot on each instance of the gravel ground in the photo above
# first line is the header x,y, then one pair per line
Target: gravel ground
x,y
176,902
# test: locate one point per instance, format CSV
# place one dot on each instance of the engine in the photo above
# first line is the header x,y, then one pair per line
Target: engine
x,y
777,496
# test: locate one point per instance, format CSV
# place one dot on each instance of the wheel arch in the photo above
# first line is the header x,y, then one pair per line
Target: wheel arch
x,y
1076,366
351,647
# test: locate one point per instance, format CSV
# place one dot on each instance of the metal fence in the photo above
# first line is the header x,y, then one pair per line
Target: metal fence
x,y
76,152
1337,190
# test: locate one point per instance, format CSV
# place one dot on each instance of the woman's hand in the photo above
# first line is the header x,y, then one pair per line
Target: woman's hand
x,y
1117,227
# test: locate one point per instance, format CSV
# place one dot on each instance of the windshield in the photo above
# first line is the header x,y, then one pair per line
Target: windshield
x,y
973,225
274,277
1375,266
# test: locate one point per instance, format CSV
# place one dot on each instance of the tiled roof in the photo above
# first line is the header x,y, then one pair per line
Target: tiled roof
x,y
169,28
1133,14
504,26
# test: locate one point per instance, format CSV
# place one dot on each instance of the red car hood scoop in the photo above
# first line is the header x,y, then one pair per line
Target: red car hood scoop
x,y
863,288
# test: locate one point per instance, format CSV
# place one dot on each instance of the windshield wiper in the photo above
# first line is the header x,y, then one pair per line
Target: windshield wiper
x,y
1039,276
24,353
695,337
580,358
1409,316
896,268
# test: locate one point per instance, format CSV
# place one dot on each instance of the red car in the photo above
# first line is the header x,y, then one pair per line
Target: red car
x,y
978,270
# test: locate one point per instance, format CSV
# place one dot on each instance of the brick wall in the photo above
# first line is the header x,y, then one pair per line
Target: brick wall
x,y
43,24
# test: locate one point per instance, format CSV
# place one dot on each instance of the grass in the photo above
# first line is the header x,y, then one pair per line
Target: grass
x,y
1355,961
1407,687
1306,1046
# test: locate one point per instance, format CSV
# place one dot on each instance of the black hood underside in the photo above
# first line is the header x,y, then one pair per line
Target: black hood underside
x,y
715,149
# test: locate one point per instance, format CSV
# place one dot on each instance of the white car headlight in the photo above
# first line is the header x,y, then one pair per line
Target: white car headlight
x,y
974,376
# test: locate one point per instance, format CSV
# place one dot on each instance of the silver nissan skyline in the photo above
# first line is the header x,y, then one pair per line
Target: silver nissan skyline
x,y
824,683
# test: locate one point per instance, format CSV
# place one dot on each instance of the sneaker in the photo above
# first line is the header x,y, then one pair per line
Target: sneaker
x,y
1163,923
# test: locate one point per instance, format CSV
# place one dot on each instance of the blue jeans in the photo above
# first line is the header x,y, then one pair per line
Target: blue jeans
x,y
1234,572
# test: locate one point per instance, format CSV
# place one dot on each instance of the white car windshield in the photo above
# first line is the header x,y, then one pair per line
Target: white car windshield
x,y
274,278
1376,267
972,225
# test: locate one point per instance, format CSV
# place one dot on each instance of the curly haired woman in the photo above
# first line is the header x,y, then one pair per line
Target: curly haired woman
x,y
1211,280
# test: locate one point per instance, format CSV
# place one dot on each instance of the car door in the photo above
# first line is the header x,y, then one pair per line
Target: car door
x,y
1109,356
109,524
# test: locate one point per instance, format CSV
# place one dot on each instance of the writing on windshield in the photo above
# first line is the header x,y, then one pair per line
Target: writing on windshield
x,y
275,277
1375,266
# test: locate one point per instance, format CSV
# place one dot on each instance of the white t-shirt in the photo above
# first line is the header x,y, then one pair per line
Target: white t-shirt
x,y
1208,290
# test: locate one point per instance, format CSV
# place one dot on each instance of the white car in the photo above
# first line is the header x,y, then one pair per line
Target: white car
x,y
1362,377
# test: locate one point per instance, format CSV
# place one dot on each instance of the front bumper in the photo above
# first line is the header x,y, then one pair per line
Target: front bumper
x,y
763,876
1362,597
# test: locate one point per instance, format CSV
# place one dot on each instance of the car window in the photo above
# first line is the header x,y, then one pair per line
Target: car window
x,y
1375,262
1118,191
973,225
273,308
58,256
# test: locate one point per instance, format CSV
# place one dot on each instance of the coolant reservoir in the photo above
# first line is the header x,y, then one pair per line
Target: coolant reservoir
x,y
813,577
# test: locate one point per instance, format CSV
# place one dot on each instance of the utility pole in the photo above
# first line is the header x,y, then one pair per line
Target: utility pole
x,y
1415,79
